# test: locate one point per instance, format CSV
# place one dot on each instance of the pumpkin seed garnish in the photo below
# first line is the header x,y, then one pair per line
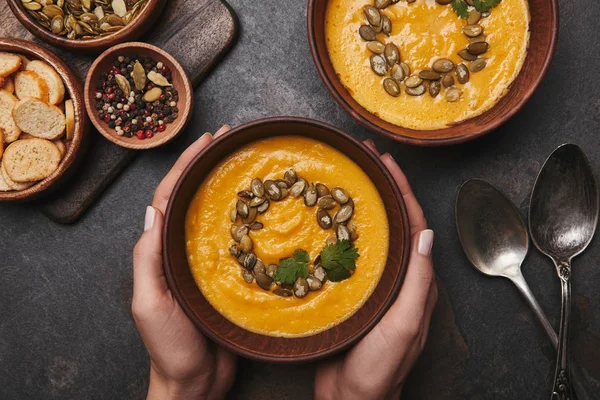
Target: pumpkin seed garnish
x,y
413,81
257,187
415,91
386,25
372,15
310,197
478,65
478,48
453,94
322,190
379,64
434,88
462,73
367,33
443,65
324,219
376,47
429,75
391,87
392,54
327,202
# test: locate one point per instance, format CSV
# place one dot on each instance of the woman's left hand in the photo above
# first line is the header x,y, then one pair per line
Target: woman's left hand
x,y
184,364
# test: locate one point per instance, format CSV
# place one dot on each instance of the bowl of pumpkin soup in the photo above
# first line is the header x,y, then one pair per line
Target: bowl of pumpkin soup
x,y
285,240
432,72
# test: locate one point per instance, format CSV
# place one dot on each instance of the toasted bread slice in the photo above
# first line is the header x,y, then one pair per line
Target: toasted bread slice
x,y
30,160
70,117
8,85
39,118
7,123
1,143
55,84
12,184
4,186
60,145
29,84
9,63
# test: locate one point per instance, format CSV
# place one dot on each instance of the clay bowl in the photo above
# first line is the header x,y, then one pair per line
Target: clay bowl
x,y
181,82
74,91
136,28
543,29
277,349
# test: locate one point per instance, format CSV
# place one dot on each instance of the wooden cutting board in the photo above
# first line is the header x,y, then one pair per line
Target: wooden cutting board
x,y
196,32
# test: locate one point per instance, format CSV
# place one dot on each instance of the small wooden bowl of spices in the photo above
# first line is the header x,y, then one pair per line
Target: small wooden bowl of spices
x,y
87,26
138,96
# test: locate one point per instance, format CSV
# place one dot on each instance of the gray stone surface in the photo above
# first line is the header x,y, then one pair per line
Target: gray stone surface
x,y
65,326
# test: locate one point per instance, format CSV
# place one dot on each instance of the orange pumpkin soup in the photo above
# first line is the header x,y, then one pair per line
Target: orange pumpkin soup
x,y
288,225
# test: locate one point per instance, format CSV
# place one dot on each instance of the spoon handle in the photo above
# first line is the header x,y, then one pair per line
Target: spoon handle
x,y
562,376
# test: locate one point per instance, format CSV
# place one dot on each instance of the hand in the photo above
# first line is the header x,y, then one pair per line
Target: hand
x,y
183,363
377,366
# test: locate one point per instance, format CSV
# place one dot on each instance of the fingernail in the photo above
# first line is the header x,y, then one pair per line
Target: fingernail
x,y
388,155
226,126
425,242
205,135
149,219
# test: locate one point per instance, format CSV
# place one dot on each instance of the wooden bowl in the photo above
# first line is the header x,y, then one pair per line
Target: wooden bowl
x,y
180,81
74,91
268,348
136,28
543,29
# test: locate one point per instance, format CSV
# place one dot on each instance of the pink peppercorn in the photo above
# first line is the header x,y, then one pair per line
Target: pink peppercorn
x,y
161,127
140,134
149,133
111,96
106,118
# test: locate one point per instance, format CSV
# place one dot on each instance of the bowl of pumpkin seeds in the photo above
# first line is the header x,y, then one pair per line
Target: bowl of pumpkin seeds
x,y
276,348
88,26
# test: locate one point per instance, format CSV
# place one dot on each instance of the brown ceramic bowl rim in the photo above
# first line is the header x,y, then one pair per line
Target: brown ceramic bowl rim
x,y
484,129
346,342
146,16
75,92
185,103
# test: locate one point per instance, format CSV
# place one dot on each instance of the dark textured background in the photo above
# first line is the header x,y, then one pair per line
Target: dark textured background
x,y
65,326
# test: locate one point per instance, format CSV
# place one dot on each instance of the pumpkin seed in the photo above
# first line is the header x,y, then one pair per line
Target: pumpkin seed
x,y
391,87
263,207
52,11
322,190
313,283
434,88
32,6
485,14
343,214
474,17
301,288
478,65
284,193
259,267
282,183
413,81
327,202
372,15
255,226
234,250
246,244
57,25
382,3
233,215
310,197
443,65
272,190
320,274
415,91
119,7
264,281
353,233
252,213
472,30
465,55
367,33
397,73
250,261
271,269
376,47
443,2
332,239
392,54
462,73
470,2
405,68
282,292
447,80
476,39
247,276
478,48
237,232
245,194
290,177
429,75
453,94
242,208
324,219
158,79
139,76
379,64
257,187
339,195
386,25
298,188
123,83
342,233
257,201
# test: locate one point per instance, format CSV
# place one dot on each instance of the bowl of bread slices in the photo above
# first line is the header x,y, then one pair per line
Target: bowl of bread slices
x,y
43,123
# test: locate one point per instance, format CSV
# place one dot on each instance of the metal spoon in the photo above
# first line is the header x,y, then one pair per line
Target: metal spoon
x,y
494,238
563,216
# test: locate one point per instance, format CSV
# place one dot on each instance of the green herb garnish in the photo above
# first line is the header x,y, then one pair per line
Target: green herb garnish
x,y
339,260
292,268
485,5
460,8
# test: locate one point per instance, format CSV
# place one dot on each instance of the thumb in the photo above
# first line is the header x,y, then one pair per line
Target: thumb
x,y
148,272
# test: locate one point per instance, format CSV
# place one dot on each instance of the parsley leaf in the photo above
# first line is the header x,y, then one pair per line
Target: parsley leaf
x,y
339,260
461,8
290,269
485,5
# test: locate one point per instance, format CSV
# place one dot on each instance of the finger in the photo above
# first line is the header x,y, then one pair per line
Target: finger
x,y
225,373
148,272
431,302
369,143
224,129
406,316
164,189
415,213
